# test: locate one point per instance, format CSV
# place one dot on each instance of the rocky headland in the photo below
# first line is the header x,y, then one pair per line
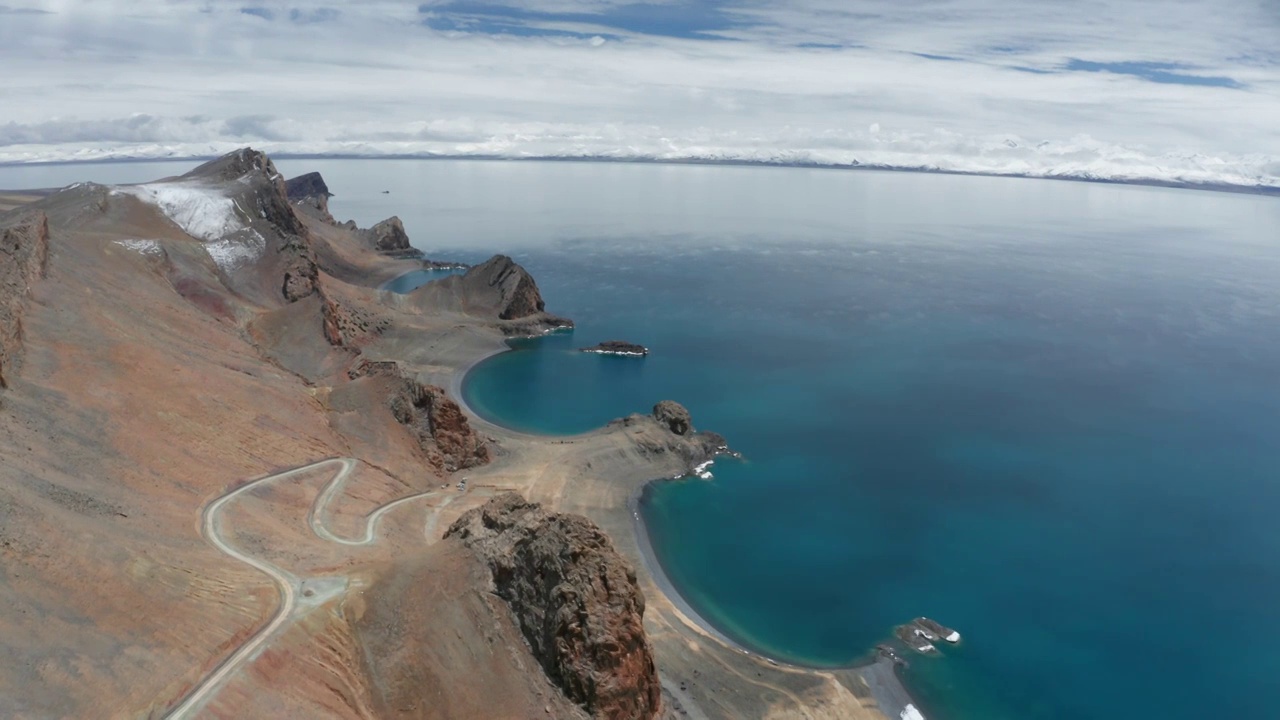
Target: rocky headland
x,y
228,463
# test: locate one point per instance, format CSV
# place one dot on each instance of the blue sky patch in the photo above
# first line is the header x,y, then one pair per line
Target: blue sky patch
x,y
692,19
1157,72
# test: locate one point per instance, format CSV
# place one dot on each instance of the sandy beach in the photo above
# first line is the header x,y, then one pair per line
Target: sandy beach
x,y
601,474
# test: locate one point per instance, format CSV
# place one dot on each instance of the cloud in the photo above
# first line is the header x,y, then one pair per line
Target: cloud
x,y
1103,89
7,10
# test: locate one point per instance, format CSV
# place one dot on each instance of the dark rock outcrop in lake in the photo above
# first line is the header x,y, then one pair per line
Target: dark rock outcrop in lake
x,y
575,599
617,347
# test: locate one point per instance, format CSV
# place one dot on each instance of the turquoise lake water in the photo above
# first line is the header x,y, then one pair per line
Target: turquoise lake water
x,y
407,282
1044,413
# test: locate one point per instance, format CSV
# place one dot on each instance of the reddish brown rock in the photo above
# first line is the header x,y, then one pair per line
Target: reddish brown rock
x,y
674,416
441,428
574,598
346,325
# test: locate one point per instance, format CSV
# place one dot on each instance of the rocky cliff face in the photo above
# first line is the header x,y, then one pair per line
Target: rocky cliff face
x,y
388,236
674,416
273,233
574,598
497,289
308,185
515,293
24,247
441,428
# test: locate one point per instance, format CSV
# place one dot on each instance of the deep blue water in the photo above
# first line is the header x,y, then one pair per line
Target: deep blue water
x,y
1044,413
1065,448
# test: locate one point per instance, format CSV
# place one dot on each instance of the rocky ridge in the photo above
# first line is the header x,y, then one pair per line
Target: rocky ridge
x,y
497,288
442,430
576,600
24,248
389,237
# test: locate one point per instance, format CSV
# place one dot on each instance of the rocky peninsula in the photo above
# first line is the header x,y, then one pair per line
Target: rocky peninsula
x,y
229,462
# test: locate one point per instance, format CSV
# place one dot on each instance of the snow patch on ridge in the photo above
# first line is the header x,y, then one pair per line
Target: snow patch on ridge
x,y
201,212
208,215
232,253
144,247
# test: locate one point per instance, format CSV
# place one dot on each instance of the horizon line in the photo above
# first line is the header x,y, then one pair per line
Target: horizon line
x,y
1223,187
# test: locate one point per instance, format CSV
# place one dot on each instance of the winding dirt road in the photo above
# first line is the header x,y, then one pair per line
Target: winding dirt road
x,y
288,585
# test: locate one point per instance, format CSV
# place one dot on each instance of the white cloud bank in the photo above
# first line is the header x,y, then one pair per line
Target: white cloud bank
x,y
1175,91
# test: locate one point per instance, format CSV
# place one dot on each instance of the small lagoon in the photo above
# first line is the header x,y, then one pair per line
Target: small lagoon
x,y
411,281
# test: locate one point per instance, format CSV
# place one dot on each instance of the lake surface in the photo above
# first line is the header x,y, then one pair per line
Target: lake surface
x,y
1044,413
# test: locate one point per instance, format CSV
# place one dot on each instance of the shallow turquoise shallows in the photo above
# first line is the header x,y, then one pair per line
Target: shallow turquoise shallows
x,y
415,279
1044,413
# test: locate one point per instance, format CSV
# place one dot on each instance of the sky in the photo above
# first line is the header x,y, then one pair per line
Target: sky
x,y
1172,90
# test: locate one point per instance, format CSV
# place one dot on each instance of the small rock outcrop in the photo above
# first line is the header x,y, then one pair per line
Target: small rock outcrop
x,y
575,599
24,249
441,428
389,237
517,295
617,347
674,416
346,325
307,186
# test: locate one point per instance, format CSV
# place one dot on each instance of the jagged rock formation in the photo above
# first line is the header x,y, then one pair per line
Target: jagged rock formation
x,y
238,207
310,192
309,185
345,325
575,599
673,415
497,288
24,248
389,237
517,293
439,425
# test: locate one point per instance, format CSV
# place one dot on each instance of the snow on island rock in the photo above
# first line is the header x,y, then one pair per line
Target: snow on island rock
x,y
617,347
